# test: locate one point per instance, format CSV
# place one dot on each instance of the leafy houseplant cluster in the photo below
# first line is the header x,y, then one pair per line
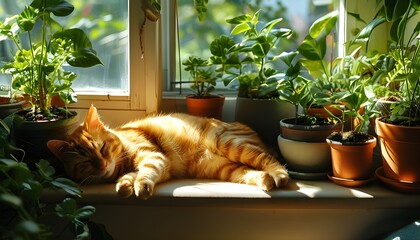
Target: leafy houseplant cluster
x,y
24,214
43,49
247,61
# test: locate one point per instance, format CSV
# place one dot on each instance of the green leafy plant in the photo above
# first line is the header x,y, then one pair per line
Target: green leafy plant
x,y
20,194
24,213
308,79
43,49
398,71
202,74
246,61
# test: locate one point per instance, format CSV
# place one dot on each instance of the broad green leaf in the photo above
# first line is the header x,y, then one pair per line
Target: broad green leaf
x,y
240,28
85,212
45,169
59,8
27,18
220,46
401,8
323,25
28,226
287,57
312,49
239,19
11,200
365,34
68,186
67,208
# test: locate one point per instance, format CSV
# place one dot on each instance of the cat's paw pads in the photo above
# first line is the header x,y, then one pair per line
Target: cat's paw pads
x,y
124,188
266,182
143,190
281,177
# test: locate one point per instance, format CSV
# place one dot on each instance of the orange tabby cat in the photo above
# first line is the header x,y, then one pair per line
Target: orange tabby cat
x,y
140,154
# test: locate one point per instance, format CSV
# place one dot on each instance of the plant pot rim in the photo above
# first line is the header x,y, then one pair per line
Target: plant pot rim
x,y
210,96
396,125
285,124
371,140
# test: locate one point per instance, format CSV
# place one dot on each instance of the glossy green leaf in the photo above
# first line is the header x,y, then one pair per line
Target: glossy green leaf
x,y
323,25
59,8
240,28
27,19
68,186
365,34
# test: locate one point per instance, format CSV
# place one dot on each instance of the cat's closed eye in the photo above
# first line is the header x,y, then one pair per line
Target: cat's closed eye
x,y
104,149
82,151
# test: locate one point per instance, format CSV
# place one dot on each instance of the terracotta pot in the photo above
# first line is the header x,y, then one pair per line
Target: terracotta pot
x,y
400,148
321,112
352,161
306,133
211,107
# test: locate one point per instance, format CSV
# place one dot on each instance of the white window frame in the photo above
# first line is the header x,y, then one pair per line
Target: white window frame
x,y
144,75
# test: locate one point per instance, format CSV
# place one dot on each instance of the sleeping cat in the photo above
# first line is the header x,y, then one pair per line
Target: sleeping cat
x,y
140,154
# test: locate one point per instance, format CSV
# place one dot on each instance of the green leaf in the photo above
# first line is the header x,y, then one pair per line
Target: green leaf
x,y
287,57
364,35
45,169
68,186
27,18
312,49
59,8
240,28
67,208
11,200
239,19
28,226
85,212
323,25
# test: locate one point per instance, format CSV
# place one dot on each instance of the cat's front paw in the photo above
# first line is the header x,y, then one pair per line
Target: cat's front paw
x,y
124,186
143,189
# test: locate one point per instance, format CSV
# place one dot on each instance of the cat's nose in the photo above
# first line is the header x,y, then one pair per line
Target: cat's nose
x,y
100,164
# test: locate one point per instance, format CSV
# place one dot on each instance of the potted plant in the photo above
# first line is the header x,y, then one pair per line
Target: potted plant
x,y
38,71
302,139
8,104
25,213
202,102
244,58
352,151
399,132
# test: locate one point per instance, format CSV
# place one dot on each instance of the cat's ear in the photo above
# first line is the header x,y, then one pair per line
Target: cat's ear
x,y
57,147
92,120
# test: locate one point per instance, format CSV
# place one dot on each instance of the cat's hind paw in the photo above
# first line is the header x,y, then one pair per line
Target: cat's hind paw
x,y
281,177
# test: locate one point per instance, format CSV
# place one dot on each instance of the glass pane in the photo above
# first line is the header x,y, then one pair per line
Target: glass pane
x,y
106,22
195,36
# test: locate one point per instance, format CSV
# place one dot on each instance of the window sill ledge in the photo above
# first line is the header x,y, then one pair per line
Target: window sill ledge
x,y
299,194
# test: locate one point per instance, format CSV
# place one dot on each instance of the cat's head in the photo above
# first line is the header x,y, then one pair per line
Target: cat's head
x,y
89,153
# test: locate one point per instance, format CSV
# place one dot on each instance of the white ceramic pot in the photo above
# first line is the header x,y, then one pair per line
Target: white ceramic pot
x,y
305,157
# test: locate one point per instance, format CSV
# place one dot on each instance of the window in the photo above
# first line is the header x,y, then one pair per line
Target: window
x,y
114,28
194,37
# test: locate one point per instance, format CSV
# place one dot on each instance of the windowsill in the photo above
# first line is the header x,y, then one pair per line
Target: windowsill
x,y
299,193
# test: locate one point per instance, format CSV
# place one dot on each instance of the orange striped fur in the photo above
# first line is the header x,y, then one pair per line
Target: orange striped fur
x,y
140,154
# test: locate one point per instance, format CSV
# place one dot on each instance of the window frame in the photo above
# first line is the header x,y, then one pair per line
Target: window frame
x,y
144,72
